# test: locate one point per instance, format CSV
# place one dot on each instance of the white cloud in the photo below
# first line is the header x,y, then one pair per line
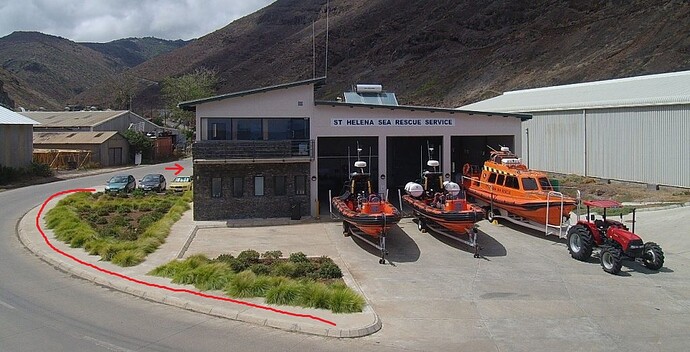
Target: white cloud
x,y
106,20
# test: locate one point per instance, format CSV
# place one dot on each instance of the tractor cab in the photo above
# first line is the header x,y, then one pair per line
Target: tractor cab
x,y
604,224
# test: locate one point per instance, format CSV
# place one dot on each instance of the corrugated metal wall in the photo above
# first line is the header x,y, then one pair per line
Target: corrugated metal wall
x,y
642,144
16,145
645,144
554,142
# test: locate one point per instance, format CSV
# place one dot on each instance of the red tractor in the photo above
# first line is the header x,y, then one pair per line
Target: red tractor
x,y
614,240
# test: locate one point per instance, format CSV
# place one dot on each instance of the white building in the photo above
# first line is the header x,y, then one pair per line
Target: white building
x,y
16,139
259,151
634,129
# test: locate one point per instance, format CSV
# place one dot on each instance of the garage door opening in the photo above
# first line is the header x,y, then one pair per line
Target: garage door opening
x,y
406,158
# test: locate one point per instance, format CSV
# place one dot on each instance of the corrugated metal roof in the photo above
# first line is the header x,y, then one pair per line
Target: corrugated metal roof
x,y
660,89
72,118
72,137
9,117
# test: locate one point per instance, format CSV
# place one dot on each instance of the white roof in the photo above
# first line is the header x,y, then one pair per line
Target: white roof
x,y
660,89
9,117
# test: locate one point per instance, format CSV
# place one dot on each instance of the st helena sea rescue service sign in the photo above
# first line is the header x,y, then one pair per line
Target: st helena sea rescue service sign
x,y
386,122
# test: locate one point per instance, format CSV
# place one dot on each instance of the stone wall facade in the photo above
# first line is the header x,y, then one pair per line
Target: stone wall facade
x,y
228,206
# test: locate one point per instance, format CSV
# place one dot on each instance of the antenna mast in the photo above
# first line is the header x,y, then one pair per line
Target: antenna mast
x,y
313,51
325,73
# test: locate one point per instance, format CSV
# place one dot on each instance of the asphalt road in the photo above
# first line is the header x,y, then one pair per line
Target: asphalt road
x,y
44,309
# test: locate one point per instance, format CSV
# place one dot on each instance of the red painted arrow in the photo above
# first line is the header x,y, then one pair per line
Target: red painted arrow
x,y
177,167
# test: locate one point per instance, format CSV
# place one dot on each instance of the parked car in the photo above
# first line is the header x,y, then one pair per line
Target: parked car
x,y
120,183
181,184
153,182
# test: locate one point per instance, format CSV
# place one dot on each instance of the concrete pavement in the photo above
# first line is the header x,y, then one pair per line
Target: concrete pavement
x,y
525,294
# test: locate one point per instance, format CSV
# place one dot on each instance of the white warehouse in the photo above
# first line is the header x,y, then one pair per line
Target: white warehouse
x,y
632,129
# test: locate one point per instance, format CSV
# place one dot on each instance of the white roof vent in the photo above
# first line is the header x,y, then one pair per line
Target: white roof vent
x,y
369,88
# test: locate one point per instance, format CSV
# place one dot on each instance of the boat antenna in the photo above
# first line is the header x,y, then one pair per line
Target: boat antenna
x,y
349,171
492,149
359,150
430,150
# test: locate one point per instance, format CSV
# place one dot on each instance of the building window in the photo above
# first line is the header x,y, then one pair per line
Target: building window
x,y
258,185
219,129
216,187
300,184
280,188
249,130
237,187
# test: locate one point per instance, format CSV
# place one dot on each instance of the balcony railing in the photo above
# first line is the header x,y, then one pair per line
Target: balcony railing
x,y
232,150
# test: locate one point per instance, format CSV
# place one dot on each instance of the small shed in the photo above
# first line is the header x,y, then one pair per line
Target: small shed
x,y
15,139
69,148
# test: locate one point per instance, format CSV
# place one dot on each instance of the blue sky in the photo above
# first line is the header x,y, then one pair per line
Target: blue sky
x,y
107,20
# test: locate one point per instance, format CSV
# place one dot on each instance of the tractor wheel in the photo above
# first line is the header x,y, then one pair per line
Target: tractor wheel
x,y
421,226
653,257
580,242
611,259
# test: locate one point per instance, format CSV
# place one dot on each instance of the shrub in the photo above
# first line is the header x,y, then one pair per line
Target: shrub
x,y
303,269
226,258
272,255
286,269
251,256
138,193
102,212
212,276
287,293
314,294
260,269
241,285
129,257
298,257
169,269
343,300
329,271
124,209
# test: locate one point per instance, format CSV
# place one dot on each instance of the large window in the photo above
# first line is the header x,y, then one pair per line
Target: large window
x,y
258,185
219,129
529,184
249,129
216,187
280,185
300,184
237,187
512,182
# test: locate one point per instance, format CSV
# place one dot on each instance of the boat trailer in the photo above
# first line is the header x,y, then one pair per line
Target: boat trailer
x,y
438,229
349,230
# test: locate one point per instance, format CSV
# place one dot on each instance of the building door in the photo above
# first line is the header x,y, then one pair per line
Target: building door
x,y
115,156
336,158
407,158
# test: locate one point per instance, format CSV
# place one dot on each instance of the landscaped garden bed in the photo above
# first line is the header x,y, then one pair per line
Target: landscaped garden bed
x,y
297,280
122,228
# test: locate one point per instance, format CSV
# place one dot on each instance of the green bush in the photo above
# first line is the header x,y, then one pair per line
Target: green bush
x,y
226,258
344,300
303,269
241,285
298,257
128,257
250,256
314,294
286,269
272,255
41,170
329,271
287,293
260,269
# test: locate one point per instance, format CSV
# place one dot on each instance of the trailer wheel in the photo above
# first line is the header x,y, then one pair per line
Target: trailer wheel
x,y
580,242
491,215
421,226
346,229
611,259
653,257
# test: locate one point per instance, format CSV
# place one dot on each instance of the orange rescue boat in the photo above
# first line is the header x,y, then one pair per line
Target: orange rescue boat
x,y
507,189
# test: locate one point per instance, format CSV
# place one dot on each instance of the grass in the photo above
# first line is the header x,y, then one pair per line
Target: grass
x,y
120,229
306,291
